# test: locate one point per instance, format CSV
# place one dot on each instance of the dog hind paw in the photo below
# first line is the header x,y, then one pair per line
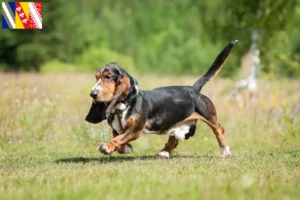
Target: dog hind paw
x,y
225,152
163,154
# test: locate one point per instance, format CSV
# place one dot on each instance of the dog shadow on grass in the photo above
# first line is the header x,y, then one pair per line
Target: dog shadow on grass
x,y
116,159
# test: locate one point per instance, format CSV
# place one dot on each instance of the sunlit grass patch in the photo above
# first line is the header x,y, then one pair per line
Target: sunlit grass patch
x,y
48,151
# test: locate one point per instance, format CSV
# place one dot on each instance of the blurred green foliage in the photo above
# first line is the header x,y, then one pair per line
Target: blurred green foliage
x,y
92,56
179,37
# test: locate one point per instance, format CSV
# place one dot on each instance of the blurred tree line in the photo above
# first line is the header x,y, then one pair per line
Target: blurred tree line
x,y
170,36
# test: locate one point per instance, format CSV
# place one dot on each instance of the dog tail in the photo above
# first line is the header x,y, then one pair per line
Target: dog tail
x,y
215,67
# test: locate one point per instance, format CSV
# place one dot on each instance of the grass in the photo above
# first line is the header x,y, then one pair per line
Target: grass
x,y
48,151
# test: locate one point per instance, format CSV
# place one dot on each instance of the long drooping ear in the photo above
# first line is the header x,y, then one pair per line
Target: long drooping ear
x,y
96,113
123,85
121,92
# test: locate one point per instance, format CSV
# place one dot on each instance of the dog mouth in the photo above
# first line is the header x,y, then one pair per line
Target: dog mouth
x,y
98,100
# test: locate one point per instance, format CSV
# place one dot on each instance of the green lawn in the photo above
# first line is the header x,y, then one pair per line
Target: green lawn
x,y
48,151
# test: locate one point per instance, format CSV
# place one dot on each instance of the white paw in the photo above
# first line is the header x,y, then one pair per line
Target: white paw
x,y
128,148
163,154
102,148
225,152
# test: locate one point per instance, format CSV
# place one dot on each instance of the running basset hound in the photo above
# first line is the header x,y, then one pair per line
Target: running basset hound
x,y
172,110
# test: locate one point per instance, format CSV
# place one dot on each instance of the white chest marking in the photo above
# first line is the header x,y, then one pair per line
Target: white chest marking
x,y
115,123
119,106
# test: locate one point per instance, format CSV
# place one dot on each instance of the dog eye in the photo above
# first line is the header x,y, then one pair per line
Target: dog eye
x,y
107,77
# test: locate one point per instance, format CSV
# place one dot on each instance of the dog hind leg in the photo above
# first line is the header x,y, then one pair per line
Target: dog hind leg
x,y
169,147
207,110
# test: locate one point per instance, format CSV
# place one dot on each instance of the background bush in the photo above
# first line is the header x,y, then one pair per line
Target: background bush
x,y
179,37
93,56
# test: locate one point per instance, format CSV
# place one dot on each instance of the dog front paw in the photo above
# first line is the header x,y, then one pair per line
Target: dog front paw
x,y
163,155
225,152
125,149
104,149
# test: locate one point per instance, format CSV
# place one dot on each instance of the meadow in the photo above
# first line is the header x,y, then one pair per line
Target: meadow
x,y
48,151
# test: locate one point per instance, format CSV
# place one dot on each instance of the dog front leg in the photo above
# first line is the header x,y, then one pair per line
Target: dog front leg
x,y
125,148
132,132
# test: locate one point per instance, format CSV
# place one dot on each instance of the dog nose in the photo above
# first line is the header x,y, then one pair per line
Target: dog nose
x,y
94,94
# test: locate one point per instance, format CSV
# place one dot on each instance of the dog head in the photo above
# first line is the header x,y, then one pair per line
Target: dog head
x,y
112,83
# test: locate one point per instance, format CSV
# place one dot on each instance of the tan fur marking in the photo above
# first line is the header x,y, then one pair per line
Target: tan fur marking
x,y
122,90
129,123
124,87
129,135
170,145
148,126
215,126
120,150
111,147
97,76
106,74
194,116
122,147
108,89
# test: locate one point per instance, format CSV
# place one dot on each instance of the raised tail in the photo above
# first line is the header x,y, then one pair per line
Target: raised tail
x,y
215,67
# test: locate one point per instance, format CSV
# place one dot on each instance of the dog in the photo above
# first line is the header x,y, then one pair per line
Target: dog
x,y
172,110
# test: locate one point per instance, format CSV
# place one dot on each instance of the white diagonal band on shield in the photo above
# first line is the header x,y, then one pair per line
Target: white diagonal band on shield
x,y
8,15
35,15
